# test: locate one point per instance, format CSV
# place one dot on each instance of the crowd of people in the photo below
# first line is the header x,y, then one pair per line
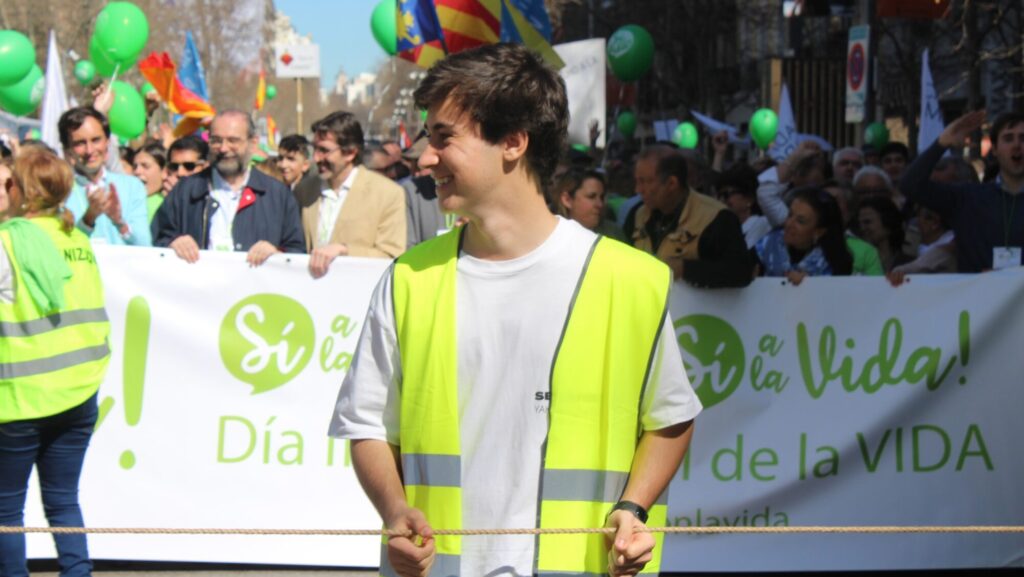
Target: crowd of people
x,y
332,194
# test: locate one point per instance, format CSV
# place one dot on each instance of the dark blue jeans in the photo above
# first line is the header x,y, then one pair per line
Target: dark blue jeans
x,y
56,446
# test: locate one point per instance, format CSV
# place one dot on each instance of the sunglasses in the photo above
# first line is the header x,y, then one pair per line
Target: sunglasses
x,y
189,166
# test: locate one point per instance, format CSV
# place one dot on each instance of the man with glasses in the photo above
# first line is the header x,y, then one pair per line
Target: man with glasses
x,y
108,207
229,207
187,156
357,211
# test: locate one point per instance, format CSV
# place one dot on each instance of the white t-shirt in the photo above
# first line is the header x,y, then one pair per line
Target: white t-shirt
x,y
510,317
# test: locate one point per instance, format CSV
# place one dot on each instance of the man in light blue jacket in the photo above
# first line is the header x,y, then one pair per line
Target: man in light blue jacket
x,y
109,207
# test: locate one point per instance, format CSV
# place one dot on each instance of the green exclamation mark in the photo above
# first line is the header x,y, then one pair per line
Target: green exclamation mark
x,y
136,348
965,342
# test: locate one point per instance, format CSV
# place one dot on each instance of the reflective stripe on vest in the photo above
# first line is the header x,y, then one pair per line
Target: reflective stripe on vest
x,y
51,361
616,314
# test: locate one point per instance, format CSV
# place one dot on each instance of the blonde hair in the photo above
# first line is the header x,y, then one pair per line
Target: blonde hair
x,y
45,182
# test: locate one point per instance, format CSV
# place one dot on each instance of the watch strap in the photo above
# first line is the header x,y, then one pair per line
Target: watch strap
x,y
638,511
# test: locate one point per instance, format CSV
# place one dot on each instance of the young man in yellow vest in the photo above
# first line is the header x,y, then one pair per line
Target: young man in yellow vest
x,y
519,371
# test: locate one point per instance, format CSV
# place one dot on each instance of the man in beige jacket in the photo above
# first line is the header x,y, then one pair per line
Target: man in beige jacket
x,y
356,212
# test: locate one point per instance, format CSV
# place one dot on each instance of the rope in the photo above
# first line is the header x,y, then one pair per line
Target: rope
x,y
605,530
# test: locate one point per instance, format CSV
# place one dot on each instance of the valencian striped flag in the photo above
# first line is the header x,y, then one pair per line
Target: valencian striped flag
x,y
160,71
466,24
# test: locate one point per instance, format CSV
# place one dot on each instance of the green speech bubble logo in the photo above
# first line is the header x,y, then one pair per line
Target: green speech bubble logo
x,y
713,355
266,340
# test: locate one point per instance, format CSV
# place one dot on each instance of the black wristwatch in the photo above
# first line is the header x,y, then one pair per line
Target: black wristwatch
x,y
633,508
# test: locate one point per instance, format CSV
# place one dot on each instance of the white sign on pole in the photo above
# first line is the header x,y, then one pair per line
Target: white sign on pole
x,y
857,58
584,75
298,61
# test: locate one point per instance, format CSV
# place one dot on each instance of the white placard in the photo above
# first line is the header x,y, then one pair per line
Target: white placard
x,y
297,61
584,75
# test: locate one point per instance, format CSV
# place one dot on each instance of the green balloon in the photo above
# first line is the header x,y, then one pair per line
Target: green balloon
x,y
877,135
630,52
146,89
764,125
271,92
24,97
685,135
626,123
85,71
103,64
128,114
17,56
383,22
121,31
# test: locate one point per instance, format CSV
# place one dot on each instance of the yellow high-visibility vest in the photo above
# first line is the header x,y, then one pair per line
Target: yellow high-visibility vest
x,y
598,375
51,361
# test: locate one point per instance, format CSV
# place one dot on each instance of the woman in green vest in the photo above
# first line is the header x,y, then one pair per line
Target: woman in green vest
x,y
53,356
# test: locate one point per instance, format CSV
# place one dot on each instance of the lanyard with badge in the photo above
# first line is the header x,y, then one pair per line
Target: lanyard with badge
x,y
1007,256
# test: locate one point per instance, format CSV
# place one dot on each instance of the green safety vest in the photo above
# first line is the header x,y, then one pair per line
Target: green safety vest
x,y
598,375
51,361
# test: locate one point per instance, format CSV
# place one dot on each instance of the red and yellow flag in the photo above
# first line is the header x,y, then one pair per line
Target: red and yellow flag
x,y
271,133
466,24
261,90
160,71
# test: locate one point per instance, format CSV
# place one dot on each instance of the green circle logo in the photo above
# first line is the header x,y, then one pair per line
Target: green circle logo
x,y
620,43
266,340
713,355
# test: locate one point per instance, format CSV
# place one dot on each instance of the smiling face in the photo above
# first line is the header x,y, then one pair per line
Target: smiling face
x,y
292,164
87,148
587,204
802,229
230,144
1008,150
333,161
466,167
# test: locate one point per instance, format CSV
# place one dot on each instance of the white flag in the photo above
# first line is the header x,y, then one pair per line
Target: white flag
x,y
716,126
932,124
787,138
55,99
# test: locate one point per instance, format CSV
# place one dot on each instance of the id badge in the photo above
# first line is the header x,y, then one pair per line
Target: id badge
x,y
1005,257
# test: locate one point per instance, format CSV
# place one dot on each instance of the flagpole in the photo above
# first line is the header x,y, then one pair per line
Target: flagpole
x,y
298,105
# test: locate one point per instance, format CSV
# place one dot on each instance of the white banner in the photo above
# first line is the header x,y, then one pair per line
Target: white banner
x,y
584,76
839,402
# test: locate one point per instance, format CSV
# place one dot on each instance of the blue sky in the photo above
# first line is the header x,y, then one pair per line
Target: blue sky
x,y
342,29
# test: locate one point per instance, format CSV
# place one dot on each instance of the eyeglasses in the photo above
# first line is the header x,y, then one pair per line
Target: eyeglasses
x,y
324,151
232,140
189,166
